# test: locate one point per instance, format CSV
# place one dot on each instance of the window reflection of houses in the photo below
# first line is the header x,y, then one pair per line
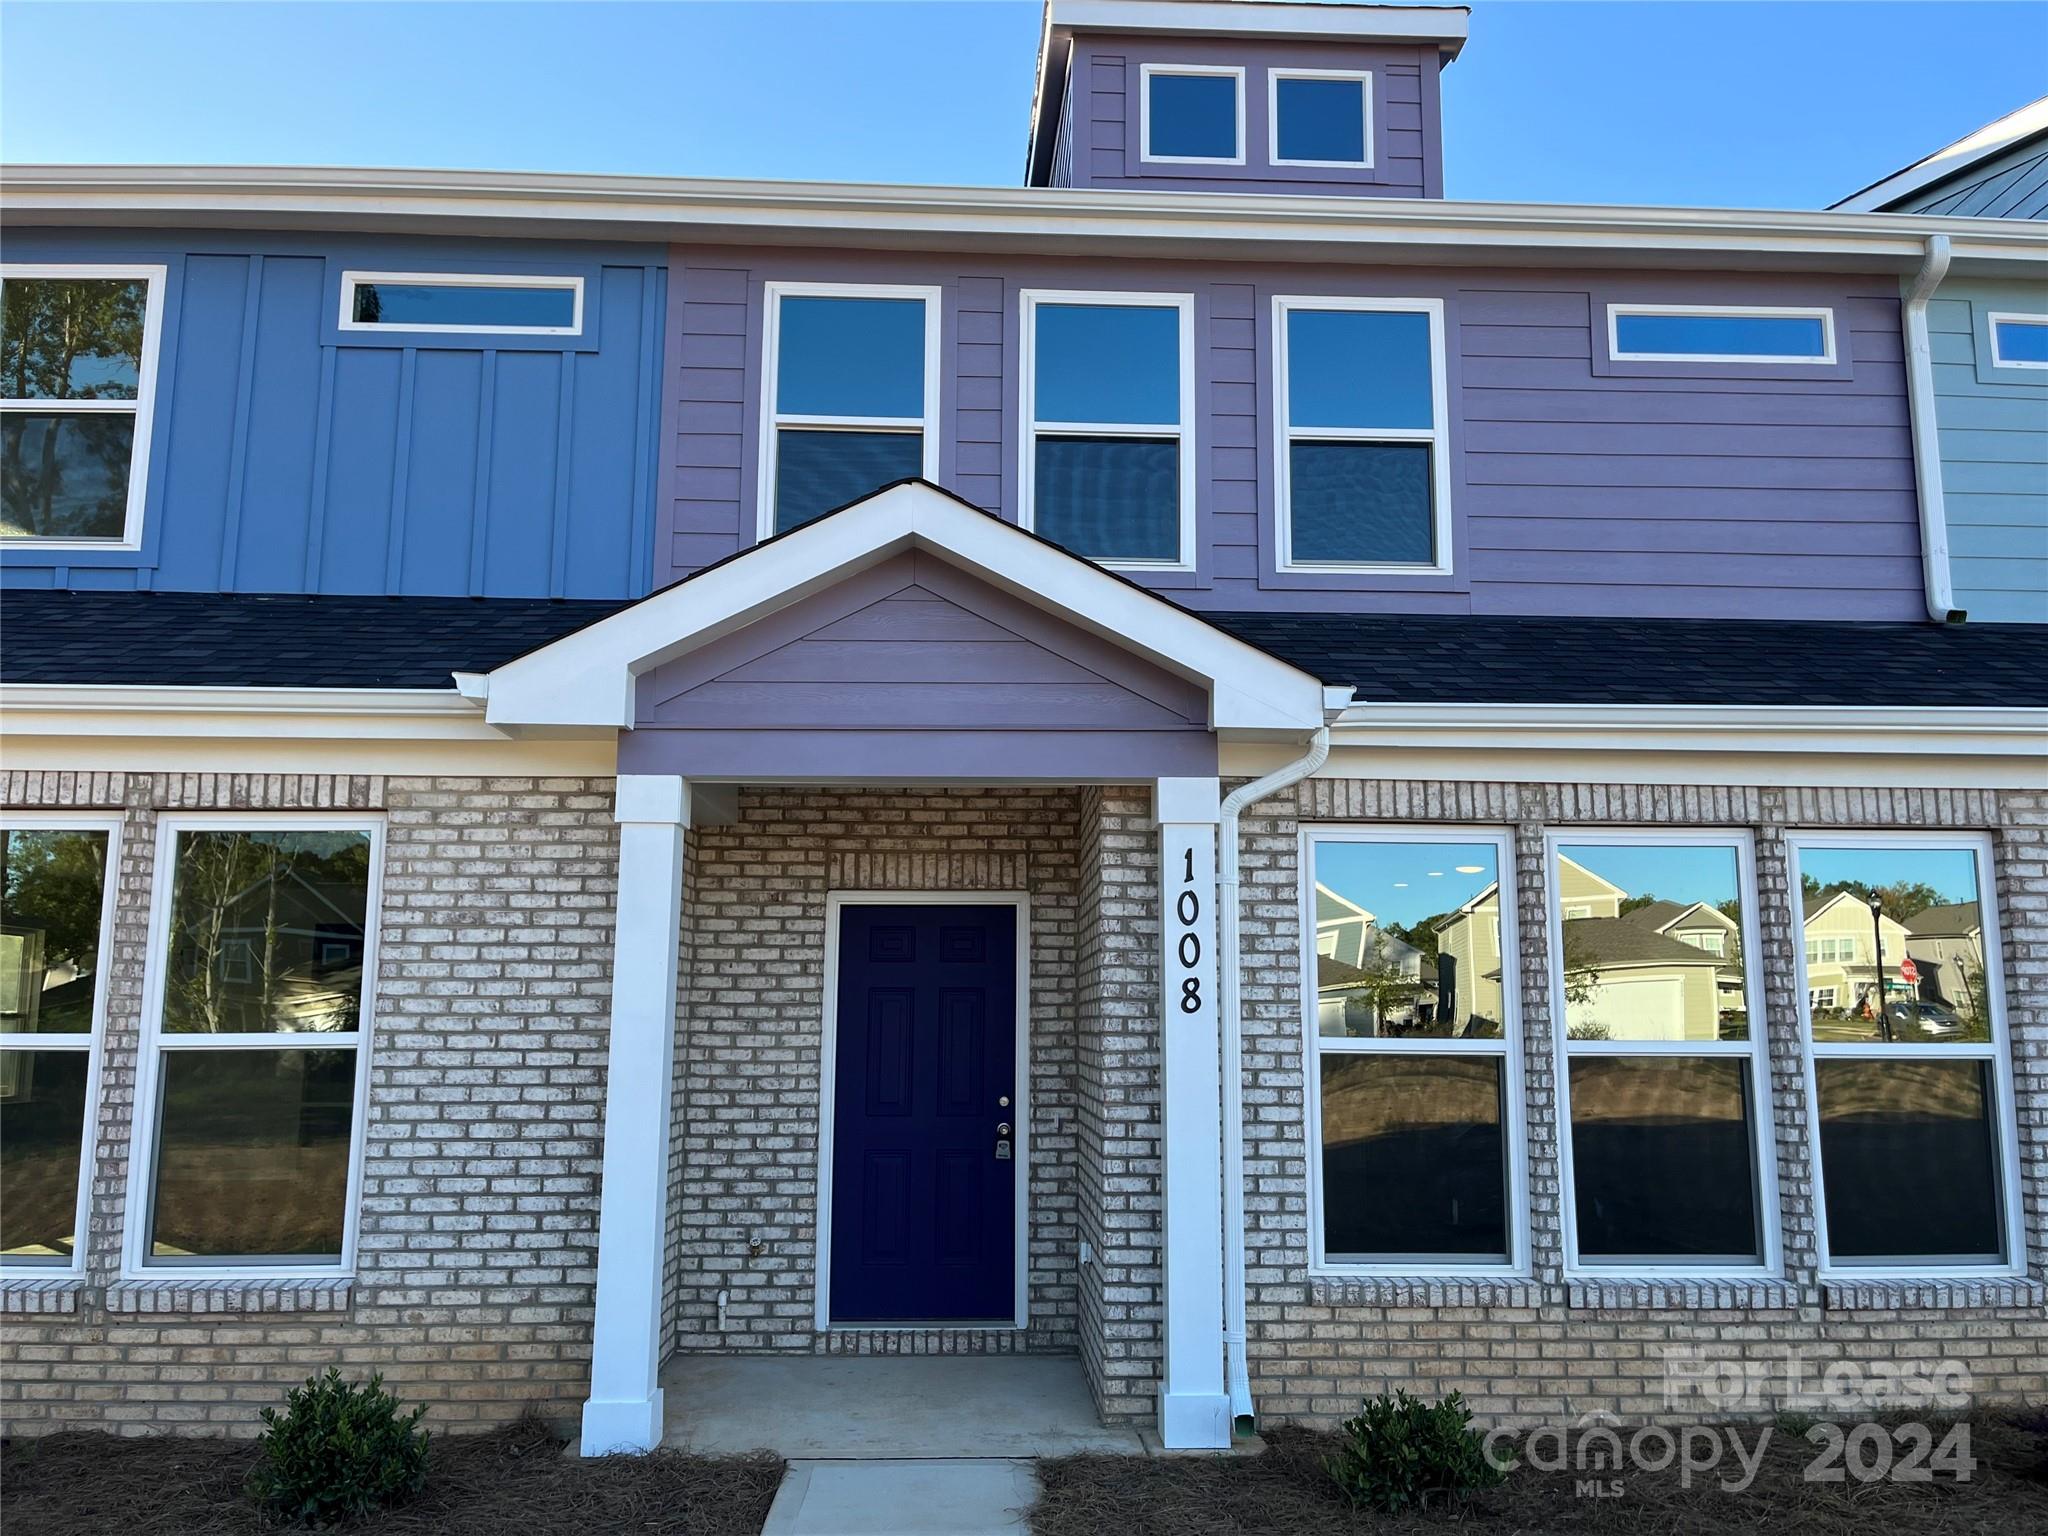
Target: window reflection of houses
x,y
1394,993
1947,944
1702,927
1468,940
1626,981
1840,962
1341,926
284,952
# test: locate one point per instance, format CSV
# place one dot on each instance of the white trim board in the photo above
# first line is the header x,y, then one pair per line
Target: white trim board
x,y
828,1062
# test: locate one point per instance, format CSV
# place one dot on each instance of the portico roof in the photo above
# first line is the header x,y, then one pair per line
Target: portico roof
x,y
589,678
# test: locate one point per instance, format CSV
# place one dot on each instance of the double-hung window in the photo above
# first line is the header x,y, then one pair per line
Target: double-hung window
x,y
58,875
78,349
1911,1080
2018,341
1415,1142
1109,443
851,399
1320,117
255,1045
1364,469
1661,1071
1719,333
1191,114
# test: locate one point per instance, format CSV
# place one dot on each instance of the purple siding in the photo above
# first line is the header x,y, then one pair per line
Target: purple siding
x,y
1407,118
1574,490
914,668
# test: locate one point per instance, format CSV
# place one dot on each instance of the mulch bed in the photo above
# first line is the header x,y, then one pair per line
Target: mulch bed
x,y
511,1480
1285,1492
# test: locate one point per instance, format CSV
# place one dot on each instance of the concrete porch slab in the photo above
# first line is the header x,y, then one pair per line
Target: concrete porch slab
x,y
898,1408
903,1498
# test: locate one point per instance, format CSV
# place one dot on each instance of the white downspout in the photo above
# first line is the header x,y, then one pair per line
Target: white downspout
x,y
1230,995
1941,597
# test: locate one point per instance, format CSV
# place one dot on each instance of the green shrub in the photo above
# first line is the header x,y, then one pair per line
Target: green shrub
x,y
1401,1452
339,1450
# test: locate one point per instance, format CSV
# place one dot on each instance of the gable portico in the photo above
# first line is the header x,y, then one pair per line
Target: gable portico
x,y
911,642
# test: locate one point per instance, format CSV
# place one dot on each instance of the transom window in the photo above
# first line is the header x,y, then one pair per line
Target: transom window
x,y
53,953
1414,1080
1108,387
1320,117
2019,341
1661,1073
1364,467
256,1038
1192,113
1651,333
481,302
78,375
852,398
1911,1073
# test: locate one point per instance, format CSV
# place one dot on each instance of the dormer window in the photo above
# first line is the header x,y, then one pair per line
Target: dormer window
x,y
1320,117
1192,114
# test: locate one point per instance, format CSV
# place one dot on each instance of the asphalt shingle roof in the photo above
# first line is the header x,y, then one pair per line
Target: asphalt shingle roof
x,y
248,640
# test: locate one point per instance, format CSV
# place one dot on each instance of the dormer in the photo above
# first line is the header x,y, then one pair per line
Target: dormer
x,y
1243,96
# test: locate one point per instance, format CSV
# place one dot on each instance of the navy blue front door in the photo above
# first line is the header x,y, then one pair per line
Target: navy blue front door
x,y
924,1172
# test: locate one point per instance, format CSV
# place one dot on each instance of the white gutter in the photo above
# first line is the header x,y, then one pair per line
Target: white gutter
x,y
1230,1023
1941,597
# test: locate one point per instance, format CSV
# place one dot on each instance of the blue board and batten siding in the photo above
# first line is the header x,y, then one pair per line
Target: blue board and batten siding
x,y
290,456
1994,454
1579,487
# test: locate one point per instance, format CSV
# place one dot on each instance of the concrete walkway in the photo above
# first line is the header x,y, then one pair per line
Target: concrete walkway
x,y
892,1445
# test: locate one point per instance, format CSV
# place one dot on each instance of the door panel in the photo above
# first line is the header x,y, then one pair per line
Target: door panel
x,y
923,1208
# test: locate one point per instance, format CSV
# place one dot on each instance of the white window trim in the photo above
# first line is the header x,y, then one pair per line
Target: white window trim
x,y
135,1260
1763,1143
1273,79
1998,317
1183,433
1828,356
1508,1048
350,280
771,355
1437,436
1145,74
1998,1049
93,1042
142,407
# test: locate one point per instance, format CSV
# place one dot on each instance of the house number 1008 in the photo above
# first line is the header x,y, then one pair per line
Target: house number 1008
x,y
1187,907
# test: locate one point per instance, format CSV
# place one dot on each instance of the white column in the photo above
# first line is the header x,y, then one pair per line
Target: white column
x,y
1194,1409
623,1412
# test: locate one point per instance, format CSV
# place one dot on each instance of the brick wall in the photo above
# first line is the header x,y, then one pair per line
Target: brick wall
x,y
750,1044
1545,1347
478,1225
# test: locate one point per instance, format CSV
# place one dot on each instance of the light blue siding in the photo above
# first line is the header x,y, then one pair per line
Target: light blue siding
x,y
291,456
2013,185
1993,428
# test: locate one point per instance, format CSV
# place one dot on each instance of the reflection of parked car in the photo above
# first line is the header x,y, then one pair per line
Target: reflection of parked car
x,y
1930,1018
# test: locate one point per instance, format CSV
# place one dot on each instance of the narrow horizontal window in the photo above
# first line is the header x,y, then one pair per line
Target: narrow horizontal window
x,y
1904,1023
1321,118
1647,333
1108,449
2019,341
485,303
1663,1072
1192,113
1413,1040
1363,473
77,367
53,939
255,1045
851,374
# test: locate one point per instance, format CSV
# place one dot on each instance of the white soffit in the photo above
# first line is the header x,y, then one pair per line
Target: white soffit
x,y
587,678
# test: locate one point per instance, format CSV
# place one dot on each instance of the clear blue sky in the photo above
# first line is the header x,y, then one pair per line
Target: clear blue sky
x,y
1774,105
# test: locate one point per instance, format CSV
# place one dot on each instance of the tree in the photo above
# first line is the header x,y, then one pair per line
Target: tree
x,y
1637,903
56,880
1581,981
1900,900
1381,983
